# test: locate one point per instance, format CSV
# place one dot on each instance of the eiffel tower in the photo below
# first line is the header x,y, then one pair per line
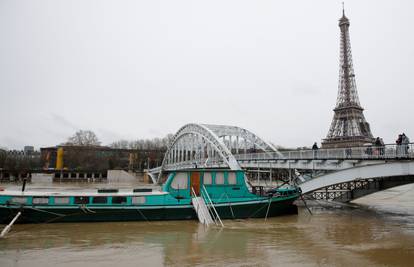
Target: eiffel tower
x,y
349,127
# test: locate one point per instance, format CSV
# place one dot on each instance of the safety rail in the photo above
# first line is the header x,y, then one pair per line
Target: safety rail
x,y
203,214
369,152
210,205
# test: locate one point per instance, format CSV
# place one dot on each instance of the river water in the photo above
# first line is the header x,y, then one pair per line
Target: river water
x,y
377,230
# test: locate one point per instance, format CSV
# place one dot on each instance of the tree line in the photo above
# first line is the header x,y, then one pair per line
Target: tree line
x,y
89,138
82,155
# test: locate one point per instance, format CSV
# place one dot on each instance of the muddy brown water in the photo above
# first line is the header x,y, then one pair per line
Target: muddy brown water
x,y
377,230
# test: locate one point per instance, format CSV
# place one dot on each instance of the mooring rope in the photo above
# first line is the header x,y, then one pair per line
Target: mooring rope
x,y
254,213
306,205
45,211
268,208
231,208
142,214
32,208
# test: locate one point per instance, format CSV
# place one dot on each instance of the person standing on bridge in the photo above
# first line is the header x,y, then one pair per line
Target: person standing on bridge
x,y
405,141
399,145
315,150
379,143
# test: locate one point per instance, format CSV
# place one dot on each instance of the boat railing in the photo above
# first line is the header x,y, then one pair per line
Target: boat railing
x,y
213,215
258,190
210,205
199,209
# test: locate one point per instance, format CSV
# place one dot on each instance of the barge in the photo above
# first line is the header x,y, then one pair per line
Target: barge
x,y
228,192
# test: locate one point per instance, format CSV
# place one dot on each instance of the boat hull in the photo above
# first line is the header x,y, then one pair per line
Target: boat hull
x,y
243,210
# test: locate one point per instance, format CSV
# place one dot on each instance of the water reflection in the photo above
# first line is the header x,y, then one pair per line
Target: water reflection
x,y
372,232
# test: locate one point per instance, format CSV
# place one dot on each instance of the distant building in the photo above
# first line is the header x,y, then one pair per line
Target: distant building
x,y
98,158
19,160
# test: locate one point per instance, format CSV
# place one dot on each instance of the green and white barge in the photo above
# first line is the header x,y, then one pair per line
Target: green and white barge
x,y
228,192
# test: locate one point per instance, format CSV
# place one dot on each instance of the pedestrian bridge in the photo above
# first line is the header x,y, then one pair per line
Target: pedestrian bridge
x,y
338,172
352,183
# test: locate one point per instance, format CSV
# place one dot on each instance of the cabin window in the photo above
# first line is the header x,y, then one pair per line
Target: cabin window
x,y
231,178
119,200
40,200
18,200
180,181
62,200
138,200
81,200
219,178
142,190
99,200
207,178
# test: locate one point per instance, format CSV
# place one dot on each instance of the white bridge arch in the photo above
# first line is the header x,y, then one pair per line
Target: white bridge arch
x,y
207,145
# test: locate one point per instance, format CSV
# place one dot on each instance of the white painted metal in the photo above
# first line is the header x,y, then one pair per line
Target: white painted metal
x,y
9,226
359,153
191,139
224,131
153,177
211,206
211,146
364,172
201,209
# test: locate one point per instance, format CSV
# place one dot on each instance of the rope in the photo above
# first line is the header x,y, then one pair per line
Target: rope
x,y
142,214
86,209
89,210
268,208
45,211
306,205
231,208
265,204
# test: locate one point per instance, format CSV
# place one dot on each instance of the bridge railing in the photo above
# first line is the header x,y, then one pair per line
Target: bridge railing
x,y
196,163
391,151
386,152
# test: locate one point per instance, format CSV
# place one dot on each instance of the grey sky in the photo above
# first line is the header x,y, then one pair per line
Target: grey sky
x,y
137,69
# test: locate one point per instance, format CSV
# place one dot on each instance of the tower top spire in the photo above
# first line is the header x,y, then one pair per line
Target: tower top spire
x,y
343,20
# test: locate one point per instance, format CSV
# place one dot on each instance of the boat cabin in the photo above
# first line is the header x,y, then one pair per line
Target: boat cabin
x,y
217,183
180,186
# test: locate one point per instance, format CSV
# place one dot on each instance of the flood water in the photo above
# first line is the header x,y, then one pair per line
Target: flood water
x,y
377,230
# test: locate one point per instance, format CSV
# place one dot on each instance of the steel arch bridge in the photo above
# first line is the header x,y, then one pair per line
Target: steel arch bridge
x,y
340,174
208,145
352,183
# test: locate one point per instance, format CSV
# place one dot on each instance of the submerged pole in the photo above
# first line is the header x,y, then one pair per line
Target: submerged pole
x,y
8,227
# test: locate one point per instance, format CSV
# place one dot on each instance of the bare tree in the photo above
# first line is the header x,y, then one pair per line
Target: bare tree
x,y
83,138
121,144
145,144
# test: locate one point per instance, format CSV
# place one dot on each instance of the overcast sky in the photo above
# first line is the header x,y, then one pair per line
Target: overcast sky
x,y
142,69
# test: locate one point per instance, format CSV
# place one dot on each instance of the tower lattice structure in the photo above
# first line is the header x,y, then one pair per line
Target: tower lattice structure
x,y
348,127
